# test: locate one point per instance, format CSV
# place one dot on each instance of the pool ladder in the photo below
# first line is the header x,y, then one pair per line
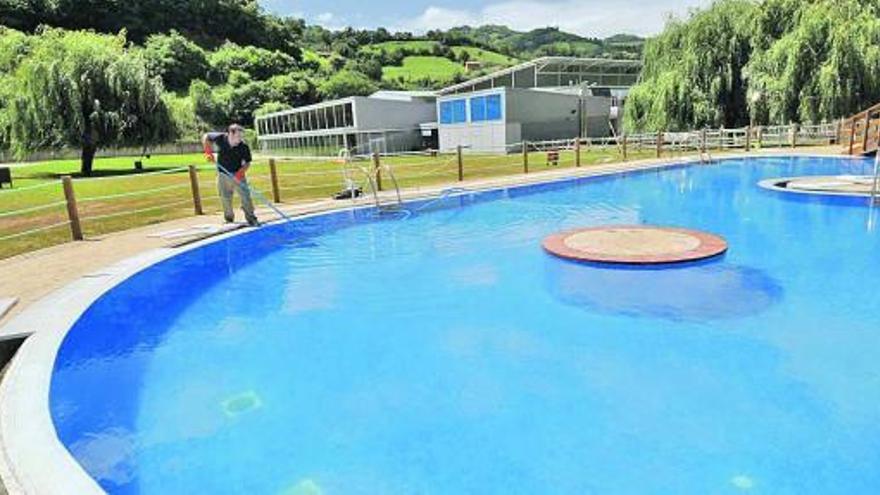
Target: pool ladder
x,y
370,175
875,184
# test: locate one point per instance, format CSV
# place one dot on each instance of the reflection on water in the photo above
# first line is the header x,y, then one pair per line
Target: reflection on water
x,y
704,291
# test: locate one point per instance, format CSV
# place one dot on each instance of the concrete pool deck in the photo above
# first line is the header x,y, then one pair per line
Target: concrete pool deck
x,y
32,276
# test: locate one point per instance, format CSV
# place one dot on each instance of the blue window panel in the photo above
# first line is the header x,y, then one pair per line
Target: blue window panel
x,y
493,107
478,109
453,111
446,112
459,111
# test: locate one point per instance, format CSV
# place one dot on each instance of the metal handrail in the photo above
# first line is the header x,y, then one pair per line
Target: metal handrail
x,y
875,185
369,173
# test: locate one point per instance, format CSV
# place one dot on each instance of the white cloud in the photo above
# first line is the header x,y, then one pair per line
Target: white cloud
x,y
325,17
584,17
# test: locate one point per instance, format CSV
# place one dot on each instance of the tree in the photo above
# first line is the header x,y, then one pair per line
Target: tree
x,y
84,90
346,83
271,107
176,59
295,89
207,105
258,62
770,62
692,75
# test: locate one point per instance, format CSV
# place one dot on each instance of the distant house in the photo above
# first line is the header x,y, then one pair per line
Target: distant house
x,y
473,65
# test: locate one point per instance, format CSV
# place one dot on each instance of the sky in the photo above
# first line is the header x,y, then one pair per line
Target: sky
x,y
596,18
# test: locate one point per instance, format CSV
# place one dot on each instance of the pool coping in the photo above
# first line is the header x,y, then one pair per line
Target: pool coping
x,y
28,440
772,184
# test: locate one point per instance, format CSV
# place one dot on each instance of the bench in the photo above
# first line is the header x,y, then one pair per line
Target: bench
x,y
5,176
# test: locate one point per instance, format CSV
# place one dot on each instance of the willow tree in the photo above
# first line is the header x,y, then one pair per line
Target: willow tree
x,y
769,62
692,75
825,66
84,90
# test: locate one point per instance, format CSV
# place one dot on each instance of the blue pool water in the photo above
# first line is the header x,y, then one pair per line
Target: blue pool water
x,y
446,353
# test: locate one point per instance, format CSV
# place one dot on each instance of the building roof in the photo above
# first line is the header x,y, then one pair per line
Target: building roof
x,y
556,72
385,94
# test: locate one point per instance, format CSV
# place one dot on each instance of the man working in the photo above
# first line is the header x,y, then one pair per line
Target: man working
x,y
232,165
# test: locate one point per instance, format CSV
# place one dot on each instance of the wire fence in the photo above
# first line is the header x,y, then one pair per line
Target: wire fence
x,y
60,210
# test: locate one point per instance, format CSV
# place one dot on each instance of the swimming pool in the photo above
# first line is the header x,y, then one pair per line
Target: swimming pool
x,y
447,353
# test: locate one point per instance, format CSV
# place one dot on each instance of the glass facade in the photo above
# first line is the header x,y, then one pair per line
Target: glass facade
x,y
453,111
307,119
485,108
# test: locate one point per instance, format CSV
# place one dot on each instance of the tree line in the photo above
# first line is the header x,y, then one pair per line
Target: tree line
x,y
772,62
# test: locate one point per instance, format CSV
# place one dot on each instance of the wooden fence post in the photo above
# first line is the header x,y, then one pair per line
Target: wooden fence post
x,y
793,130
749,138
194,187
72,212
525,152
273,174
703,140
623,146
852,134
377,167
460,163
838,139
760,136
659,144
867,125
577,151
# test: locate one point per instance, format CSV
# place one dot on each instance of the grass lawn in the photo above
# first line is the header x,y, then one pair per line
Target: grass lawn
x,y
118,199
392,46
485,56
424,67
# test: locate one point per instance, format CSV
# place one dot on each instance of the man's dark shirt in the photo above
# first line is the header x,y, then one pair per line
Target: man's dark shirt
x,y
231,158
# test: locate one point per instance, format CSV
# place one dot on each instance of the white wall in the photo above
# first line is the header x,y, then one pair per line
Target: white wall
x,y
475,136
376,113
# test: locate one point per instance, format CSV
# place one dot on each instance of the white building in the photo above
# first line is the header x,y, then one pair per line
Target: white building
x,y
547,98
386,121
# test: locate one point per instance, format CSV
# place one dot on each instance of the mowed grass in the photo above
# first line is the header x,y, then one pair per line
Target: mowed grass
x,y
392,46
438,69
117,198
487,57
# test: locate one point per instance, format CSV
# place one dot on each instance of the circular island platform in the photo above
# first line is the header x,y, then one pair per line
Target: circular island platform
x,y
634,244
828,185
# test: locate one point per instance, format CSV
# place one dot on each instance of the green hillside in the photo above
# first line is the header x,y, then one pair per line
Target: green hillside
x,y
168,71
424,69
487,57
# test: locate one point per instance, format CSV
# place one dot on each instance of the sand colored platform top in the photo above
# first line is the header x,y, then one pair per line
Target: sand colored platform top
x,y
844,184
634,244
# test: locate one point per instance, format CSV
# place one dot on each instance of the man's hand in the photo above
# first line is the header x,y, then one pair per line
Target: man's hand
x,y
209,151
239,176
